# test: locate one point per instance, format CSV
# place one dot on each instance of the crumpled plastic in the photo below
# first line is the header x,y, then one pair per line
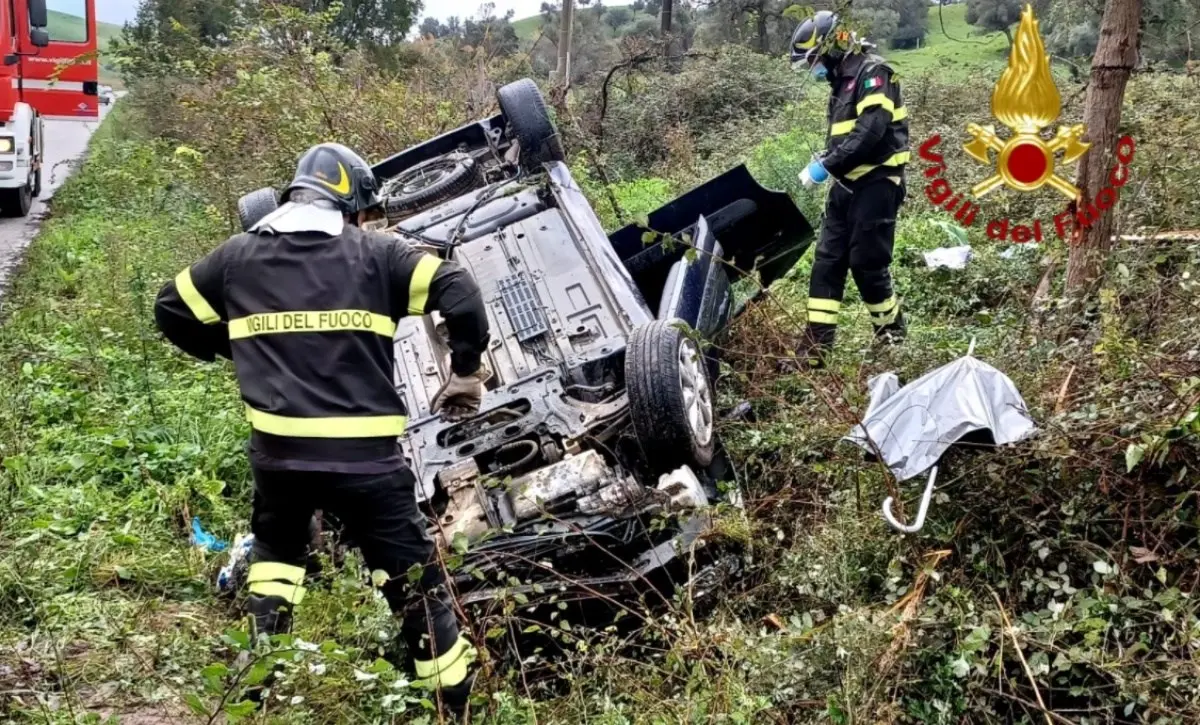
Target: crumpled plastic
x,y
203,539
234,572
910,428
949,257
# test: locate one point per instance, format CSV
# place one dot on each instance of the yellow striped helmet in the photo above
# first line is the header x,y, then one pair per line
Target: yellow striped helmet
x,y
815,39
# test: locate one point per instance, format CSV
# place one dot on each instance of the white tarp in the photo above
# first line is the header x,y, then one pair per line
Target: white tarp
x,y
911,427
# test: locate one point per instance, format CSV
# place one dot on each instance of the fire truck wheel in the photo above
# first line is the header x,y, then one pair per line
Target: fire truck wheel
x,y
16,202
37,183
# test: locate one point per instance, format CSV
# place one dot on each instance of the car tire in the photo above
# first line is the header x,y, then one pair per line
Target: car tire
x,y
37,183
529,125
429,184
255,206
670,397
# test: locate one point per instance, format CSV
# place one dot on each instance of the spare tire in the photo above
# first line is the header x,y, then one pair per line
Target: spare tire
x,y
255,206
429,184
529,124
670,399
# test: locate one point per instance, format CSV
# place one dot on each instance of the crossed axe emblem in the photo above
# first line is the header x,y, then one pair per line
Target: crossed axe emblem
x,y
1026,162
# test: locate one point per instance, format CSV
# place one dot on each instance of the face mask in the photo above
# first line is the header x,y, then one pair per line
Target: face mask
x,y
819,71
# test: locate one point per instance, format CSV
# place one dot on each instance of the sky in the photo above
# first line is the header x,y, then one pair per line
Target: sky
x,y
118,11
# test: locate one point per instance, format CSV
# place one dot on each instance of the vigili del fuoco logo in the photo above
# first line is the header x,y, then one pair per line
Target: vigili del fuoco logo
x,y
1027,102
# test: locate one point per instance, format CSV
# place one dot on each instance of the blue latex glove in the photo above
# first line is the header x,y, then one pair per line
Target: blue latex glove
x,y
203,539
813,174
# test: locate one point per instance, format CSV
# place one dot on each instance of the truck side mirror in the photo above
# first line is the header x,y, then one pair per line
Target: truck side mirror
x,y
37,15
38,37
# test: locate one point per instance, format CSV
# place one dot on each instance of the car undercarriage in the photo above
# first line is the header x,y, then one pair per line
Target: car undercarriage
x,y
594,459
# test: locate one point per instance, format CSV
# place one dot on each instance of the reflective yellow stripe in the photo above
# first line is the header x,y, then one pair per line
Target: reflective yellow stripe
x,y
418,286
885,306
826,318
806,44
900,113
841,128
273,323
194,300
824,305
291,593
374,426
267,571
896,160
885,320
448,670
876,99
885,313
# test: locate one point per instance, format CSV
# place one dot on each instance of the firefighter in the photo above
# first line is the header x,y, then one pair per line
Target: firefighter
x,y
865,156
306,305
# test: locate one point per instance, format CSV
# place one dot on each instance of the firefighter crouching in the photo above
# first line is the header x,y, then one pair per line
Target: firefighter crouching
x,y
865,157
306,306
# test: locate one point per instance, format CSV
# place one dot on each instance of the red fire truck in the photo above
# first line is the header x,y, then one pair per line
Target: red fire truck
x,y
48,71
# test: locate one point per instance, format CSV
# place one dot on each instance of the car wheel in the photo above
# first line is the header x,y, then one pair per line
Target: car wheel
x,y
37,183
670,398
529,125
429,184
255,206
16,202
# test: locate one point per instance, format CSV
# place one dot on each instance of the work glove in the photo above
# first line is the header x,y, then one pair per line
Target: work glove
x,y
460,396
814,174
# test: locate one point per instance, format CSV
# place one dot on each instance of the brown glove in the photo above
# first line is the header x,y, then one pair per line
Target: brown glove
x,y
460,396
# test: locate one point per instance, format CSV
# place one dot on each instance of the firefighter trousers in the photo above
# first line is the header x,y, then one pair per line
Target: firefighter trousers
x,y
857,238
381,516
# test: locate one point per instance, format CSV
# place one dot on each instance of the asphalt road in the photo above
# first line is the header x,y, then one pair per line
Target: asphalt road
x,y
66,142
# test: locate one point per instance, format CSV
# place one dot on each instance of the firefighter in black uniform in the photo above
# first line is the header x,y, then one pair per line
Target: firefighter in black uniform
x,y
306,306
865,156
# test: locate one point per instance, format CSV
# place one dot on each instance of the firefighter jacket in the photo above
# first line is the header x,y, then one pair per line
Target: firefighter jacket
x,y
868,123
307,309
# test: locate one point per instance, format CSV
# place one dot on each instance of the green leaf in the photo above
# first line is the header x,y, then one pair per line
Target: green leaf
x,y
214,671
460,543
238,710
238,638
495,633
196,704
257,674
1134,455
649,237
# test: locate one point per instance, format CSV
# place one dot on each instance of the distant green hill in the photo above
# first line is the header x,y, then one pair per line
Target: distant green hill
x,y
950,46
72,28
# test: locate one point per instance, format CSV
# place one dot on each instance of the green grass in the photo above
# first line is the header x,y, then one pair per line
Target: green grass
x,y
528,28
952,46
71,28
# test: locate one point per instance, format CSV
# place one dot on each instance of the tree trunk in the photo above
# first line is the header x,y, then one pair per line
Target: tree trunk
x,y
665,21
1116,56
566,26
762,28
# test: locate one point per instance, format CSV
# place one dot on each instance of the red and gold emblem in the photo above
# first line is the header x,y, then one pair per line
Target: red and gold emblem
x,y
1027,101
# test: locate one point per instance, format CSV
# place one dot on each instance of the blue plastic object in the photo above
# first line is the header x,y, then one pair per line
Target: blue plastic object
x,y
203,539
817,171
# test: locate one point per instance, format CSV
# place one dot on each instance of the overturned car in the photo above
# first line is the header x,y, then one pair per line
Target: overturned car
x,y
595,444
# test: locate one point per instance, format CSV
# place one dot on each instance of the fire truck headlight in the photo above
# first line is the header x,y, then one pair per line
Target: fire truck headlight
x,y
6,145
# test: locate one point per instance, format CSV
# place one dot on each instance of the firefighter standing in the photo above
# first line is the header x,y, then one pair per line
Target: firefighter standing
x,y
866,152
306,306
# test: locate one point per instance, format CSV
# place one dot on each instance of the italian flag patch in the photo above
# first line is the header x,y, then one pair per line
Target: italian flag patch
x,y
873,83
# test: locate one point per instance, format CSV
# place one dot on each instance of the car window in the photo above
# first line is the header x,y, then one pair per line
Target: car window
x,y
67,21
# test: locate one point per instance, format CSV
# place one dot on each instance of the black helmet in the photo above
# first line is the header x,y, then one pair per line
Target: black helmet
x,y
816,39
338,174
